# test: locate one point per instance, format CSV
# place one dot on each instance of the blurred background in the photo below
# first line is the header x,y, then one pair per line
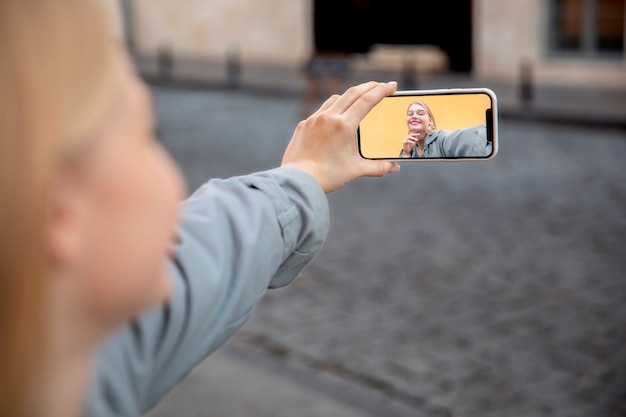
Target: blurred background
x,y
467,289
576,43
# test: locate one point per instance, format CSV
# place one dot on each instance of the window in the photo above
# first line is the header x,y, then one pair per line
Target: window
x,y
587,28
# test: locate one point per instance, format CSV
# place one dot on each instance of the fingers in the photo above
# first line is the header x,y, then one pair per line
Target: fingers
x,y
352,94
328,103
409,142
368,99
357,101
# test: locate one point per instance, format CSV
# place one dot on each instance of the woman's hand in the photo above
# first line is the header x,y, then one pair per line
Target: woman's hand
x,y
409,143
324,145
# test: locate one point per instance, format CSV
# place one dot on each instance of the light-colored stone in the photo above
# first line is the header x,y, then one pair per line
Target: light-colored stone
x,y
506,34
278,33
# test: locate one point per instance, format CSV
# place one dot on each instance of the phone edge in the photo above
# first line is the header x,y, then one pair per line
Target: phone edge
x,y
457,90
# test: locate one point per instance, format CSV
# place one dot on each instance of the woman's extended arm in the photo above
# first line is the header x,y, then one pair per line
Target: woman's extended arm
x,y
238,237
467,143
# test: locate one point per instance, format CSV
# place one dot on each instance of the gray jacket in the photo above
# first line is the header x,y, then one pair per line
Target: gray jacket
x,y
238,237
461,143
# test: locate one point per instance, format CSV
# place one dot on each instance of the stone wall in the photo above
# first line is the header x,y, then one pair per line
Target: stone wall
x,y
271,31
277,34
506,34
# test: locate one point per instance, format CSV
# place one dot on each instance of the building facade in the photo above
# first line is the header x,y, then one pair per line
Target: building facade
x,y
272,32
564,42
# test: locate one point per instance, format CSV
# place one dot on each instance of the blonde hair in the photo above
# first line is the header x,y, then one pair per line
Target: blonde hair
x,y
432,128
56,84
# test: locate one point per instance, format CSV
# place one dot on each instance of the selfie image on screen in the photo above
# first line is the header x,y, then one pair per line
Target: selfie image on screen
x,y
429,127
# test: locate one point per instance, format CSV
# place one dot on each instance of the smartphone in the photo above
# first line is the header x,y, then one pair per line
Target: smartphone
x,y
459,124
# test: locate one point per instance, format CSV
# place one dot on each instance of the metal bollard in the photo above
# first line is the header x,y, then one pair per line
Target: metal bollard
x,y
233,68
165,63
526,83
409,74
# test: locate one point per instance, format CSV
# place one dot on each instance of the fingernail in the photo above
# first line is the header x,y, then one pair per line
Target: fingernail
x,y
392,82
395,167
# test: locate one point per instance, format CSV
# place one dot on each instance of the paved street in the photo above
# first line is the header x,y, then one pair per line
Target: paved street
x,y
476,289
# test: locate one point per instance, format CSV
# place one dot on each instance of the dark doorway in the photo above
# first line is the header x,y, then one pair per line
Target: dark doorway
x,y
356,25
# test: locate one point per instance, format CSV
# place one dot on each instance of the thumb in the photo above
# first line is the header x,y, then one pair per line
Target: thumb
x,y
380,168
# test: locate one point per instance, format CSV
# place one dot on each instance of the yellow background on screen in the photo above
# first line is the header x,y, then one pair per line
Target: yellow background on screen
x,y
384,128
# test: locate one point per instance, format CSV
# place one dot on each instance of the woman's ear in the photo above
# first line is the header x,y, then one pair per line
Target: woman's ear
x,y
65,227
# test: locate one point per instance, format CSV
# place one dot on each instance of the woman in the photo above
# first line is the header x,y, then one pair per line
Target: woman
x,y
424,140
90,201
91,205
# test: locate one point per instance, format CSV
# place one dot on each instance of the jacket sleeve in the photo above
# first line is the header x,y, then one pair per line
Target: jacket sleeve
x,y
237,238
468,142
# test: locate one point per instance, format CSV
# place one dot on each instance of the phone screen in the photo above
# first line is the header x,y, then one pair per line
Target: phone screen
x,y
435,124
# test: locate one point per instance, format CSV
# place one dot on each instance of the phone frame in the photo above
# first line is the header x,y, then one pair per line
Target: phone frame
x,y
490,120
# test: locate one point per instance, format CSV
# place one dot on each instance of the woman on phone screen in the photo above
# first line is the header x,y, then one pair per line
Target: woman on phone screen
x,y
425,140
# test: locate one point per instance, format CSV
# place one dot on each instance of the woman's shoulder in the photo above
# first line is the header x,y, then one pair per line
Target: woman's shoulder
x,y
471,129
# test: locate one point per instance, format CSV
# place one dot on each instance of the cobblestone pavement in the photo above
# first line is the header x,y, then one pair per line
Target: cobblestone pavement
x,y
459,289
